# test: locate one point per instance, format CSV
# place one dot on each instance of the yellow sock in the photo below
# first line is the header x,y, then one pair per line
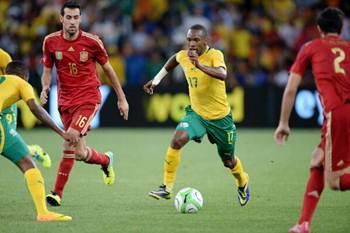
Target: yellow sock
x,y
171,163
35,183
239,174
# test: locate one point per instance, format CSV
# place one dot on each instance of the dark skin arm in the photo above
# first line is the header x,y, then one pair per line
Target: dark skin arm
x,y
215,72
169,66
43,116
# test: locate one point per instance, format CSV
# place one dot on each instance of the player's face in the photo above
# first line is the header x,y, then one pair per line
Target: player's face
x,y
196,41
71,21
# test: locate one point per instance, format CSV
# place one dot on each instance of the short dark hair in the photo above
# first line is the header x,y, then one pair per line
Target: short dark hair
x,y
71,4
330,20
200,28
17,68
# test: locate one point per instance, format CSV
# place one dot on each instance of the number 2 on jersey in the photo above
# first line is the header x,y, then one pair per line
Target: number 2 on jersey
x,y
340,57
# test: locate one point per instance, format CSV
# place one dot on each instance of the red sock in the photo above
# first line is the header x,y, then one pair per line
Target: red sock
x,y
312,194
95,157
63,172
345,182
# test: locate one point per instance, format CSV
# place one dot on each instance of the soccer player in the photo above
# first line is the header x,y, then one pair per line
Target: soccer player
x,y
330,62
13,87
209,112
75,53
10,116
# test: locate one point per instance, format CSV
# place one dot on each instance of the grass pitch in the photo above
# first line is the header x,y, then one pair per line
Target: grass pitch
x,y
278,175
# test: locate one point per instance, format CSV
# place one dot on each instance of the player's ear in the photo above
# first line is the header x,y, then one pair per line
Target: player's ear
x,y
61,18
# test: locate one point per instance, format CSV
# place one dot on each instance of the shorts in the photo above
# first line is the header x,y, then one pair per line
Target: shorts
x,y
337,146
12,145
78,117
222,132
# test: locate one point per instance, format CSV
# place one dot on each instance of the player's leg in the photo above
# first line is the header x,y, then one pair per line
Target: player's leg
x,y
16,150
337,151
63,174
80,124
66,164
313,191
189,128
91,156
223,133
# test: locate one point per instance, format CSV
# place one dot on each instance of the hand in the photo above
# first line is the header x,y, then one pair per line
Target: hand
x,y
71,137
192,54
149,87
44,95
123,107
281,134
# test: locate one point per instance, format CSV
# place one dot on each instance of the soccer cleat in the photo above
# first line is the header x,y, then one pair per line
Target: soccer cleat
x,y
162,192
53,199
40,155
108,172
300,228
243,193
52,216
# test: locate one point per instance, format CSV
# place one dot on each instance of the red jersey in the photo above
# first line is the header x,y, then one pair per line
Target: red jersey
x,y
329,58
75,63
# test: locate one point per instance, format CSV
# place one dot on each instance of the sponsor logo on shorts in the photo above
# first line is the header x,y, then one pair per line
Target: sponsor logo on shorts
x,y
184,125
13,132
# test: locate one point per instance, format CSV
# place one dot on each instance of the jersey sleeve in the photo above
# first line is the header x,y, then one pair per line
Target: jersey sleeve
x,y
4,60
101,53
26,91
177,56
46,60
302,61
218,59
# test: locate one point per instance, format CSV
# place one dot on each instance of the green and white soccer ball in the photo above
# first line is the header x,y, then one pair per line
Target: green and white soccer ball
x,y
188,200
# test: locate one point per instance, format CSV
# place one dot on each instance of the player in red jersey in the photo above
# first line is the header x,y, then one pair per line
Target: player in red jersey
x,y
75,53
329,57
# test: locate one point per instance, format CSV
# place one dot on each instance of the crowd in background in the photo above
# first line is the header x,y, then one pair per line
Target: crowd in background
x,y
259,38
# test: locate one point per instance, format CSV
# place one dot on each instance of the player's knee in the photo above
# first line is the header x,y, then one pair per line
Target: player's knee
x,y
80,154
333,184
317,158
179,141
229,163
25,163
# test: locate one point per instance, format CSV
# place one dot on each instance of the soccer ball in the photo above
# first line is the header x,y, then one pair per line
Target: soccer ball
x,y
188,200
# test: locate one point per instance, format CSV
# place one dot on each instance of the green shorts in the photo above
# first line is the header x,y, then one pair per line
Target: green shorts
x,y
222,132
12,146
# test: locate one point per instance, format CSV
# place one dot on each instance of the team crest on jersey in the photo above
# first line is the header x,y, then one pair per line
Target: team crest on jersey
x,y
58,55
84,56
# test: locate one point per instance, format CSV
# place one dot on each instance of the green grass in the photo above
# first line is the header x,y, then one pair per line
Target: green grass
x,y
278,175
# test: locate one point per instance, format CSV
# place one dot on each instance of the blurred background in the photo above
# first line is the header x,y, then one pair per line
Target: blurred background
x,y
260,39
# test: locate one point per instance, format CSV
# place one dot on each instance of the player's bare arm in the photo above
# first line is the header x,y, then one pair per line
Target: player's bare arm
x,y
123,105
282,132
45,83
215,72
42,115
169,66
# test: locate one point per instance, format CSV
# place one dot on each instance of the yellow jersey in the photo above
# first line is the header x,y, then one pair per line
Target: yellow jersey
x,y
4,60
207,94
13,89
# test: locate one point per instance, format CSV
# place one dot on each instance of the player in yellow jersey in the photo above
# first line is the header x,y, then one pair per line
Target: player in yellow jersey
x,y
209,112
13,87
9,117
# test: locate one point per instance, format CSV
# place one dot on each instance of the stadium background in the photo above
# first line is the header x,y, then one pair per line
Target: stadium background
x,y
259,38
